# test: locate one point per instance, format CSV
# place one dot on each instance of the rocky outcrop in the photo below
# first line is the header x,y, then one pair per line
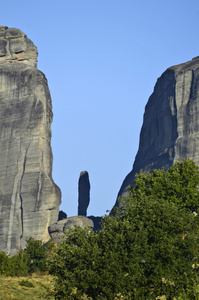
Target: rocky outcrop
x,y
83,193
170,128
56,230
29,199
16,47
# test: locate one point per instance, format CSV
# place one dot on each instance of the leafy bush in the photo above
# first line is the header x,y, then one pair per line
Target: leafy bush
x,y
32,259
15,265
179,185
73,260
147,250
37,254
4,261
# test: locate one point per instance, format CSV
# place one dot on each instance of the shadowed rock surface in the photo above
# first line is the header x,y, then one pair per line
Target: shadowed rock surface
x,y
62,215
29,199
83,193
170,129
96,222
56,230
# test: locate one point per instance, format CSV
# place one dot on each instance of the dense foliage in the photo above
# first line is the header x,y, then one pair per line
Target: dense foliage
x,y
16,265
37,255
32,259
179,185
147,250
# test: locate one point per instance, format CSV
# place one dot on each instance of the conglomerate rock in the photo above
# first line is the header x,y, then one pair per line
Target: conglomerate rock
x,y
29,199
170,129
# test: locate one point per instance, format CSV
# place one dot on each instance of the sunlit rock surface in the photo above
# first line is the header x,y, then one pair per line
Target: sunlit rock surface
x,y
56,230
29,199
170,129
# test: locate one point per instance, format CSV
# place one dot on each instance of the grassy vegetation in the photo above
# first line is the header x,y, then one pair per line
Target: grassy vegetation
x,y
21,288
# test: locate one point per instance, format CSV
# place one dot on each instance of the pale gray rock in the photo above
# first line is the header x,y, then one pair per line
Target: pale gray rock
x,y
29,198
170,129
83,193
16,47
56,230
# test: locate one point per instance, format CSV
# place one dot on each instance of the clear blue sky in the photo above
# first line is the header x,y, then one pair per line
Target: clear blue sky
x,y
102,59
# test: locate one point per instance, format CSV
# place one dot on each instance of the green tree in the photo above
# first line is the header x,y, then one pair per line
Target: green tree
x,y
18,264
148,249
179,184
15,265
153,244
74,259
4,261
37,255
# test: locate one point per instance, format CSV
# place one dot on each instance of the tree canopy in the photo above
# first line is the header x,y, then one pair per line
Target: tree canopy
x,y
148,249
179,184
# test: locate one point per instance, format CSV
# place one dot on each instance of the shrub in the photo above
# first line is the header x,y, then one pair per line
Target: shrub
x,y
37,254
32,259
15,265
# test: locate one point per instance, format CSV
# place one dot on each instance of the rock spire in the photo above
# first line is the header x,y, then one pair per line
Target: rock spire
x,y
83,193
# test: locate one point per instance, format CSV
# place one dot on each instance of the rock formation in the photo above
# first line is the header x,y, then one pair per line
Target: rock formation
x,y
29,199
62,215
170,128
56,230
96,222
83,193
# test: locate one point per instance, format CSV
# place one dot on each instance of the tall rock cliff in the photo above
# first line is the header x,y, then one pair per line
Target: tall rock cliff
x,y
170,129
29,199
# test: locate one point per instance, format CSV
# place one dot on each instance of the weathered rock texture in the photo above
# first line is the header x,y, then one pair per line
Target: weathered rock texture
x,y
170,128
83,193
29,199
16,47
56,230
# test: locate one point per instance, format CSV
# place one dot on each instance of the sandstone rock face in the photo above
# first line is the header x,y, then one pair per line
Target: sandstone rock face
x,y
170,128
83,193
56,230
29,199
16,47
